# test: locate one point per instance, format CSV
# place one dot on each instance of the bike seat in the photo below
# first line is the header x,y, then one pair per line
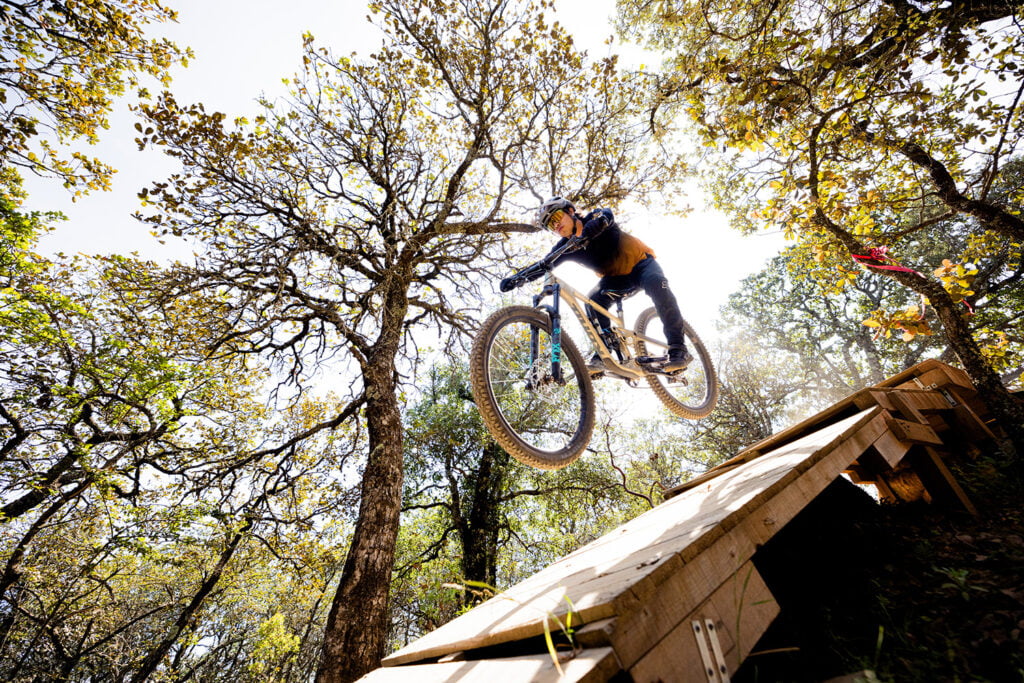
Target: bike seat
x,y
620,294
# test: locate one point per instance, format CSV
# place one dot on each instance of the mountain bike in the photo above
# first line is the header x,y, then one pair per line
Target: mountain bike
x,y
533,388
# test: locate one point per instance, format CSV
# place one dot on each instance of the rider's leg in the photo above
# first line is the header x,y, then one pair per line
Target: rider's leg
x,y
649,275
600,296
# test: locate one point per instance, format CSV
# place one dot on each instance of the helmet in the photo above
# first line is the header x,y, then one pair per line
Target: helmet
x,y
549,207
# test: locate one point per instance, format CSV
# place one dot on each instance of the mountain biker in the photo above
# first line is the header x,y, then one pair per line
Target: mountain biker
x,y
623,262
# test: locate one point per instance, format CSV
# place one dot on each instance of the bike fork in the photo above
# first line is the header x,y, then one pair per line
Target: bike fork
x,y
556,331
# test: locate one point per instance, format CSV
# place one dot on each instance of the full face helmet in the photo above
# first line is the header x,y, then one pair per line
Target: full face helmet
x,y
548,209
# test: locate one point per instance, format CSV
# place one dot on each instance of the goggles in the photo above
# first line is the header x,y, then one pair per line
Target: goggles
x,y
554,219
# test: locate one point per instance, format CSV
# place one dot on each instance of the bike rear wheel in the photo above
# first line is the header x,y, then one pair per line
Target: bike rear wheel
x,y
691,393
539,421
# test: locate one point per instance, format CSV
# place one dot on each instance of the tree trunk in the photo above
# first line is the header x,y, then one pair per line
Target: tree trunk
x,y
355,637
480,533
1005,407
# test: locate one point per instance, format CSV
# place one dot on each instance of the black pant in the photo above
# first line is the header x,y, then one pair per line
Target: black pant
x,y
648,276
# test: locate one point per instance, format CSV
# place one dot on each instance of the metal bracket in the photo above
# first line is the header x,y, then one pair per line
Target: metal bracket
x,y
716,647
715,669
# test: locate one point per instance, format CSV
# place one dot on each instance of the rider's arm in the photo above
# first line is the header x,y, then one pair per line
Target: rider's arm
x,y
536,270
596,222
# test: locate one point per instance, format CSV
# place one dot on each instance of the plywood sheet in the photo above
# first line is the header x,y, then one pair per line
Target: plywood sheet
x,y
639,628
588,666
741,610
626,565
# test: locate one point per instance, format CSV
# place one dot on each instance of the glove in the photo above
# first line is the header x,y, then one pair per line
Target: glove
x,y
508,284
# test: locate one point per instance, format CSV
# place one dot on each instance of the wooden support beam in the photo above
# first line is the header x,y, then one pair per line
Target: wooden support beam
x,y
974,427
891,449
913,432
938,480
940,375
905,485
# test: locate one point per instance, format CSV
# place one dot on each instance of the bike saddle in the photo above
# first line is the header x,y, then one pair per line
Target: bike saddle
x,y
620,294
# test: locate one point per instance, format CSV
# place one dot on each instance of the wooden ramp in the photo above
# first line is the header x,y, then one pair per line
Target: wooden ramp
x,y
674,594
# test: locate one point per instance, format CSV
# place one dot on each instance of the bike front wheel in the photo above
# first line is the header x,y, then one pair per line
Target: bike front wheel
x,y
540,421
691,393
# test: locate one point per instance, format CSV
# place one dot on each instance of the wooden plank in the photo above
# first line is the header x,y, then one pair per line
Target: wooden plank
x,y
873,397
741,609
970,400
969,421
641,624
626,565
841,410
885,493
836,411
957,376
597,634
859,474
943,376
906,408
588,666
913,432
908,380
908,375
926,401
681,653
707,476
923,400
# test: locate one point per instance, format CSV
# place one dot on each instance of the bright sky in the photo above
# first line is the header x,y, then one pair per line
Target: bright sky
x,y
245,48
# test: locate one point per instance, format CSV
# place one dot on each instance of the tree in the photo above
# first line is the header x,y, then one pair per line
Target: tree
x,y
856,126
759,393
455,467
61,66
135,465
372,205
819,325
473,514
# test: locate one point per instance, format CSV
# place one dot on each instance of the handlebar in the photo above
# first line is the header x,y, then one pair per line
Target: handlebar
x,y
536,270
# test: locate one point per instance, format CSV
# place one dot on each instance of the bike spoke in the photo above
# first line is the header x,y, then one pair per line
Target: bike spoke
x,y
545,416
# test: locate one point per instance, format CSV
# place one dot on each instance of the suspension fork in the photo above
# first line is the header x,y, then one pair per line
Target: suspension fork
x,y
554,291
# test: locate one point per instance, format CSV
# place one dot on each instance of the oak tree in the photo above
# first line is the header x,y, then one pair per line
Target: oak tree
x,y
62,64
855,126
375,203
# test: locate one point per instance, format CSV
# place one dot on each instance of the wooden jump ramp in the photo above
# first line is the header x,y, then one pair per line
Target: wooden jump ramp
x,y
674,595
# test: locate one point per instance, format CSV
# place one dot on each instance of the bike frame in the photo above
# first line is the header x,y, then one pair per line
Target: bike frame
x,y
629,367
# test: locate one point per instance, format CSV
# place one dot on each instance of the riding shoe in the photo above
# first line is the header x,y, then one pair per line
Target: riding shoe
x,y
596,364
678,359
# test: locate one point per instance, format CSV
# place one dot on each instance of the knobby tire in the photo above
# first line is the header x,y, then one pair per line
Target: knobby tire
x,y
548,428
695,398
